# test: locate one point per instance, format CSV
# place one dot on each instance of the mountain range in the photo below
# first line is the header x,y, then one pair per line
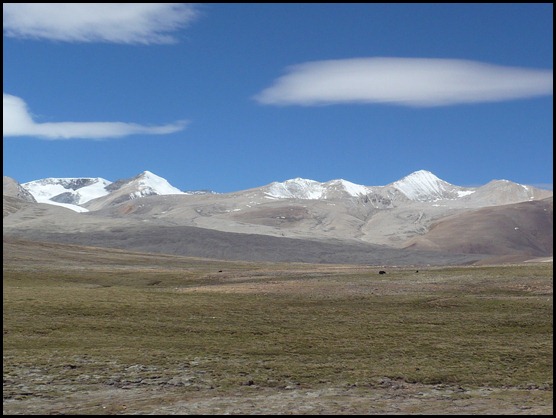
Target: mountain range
x,y
419,219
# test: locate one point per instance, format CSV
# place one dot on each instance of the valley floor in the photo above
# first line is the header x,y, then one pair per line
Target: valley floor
x,y
100,331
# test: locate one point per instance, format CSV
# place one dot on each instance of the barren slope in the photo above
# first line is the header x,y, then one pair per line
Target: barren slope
x,y
523,229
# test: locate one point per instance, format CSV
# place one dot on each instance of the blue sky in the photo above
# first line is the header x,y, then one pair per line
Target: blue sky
x,y
228,97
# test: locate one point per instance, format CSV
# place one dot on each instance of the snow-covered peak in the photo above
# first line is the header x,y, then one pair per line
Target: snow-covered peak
x,y
72,190
156,184
76,191
300,188
350,188
423,185
297,188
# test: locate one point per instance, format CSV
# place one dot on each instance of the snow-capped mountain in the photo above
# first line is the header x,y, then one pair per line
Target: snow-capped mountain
x,y
419,210
145,184
76,193
420,186
423,186
89,194
310,189
142,185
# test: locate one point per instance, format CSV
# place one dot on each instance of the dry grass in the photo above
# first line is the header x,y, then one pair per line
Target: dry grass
x,y
78,318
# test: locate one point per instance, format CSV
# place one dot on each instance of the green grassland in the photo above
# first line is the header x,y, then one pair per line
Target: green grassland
x,y
87,317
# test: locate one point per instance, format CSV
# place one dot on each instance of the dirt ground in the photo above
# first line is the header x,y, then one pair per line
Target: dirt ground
x,y
387,397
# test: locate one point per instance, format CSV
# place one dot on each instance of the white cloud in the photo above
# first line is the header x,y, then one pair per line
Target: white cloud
x,y
404,81
127,23
17,121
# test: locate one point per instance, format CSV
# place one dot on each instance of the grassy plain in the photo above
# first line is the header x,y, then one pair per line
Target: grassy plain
x,y
86,330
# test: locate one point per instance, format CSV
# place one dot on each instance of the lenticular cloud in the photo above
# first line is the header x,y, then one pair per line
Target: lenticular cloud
x,y
17,121
404,81
127,23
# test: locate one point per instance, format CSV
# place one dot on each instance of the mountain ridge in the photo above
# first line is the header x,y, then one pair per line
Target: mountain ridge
x,y
419,186
415,217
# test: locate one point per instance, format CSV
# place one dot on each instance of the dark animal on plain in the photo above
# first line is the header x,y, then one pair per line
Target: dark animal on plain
x,y
381,272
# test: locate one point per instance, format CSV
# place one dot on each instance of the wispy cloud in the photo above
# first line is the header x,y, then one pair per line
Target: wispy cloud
x,y
17,121
404,81
126,23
